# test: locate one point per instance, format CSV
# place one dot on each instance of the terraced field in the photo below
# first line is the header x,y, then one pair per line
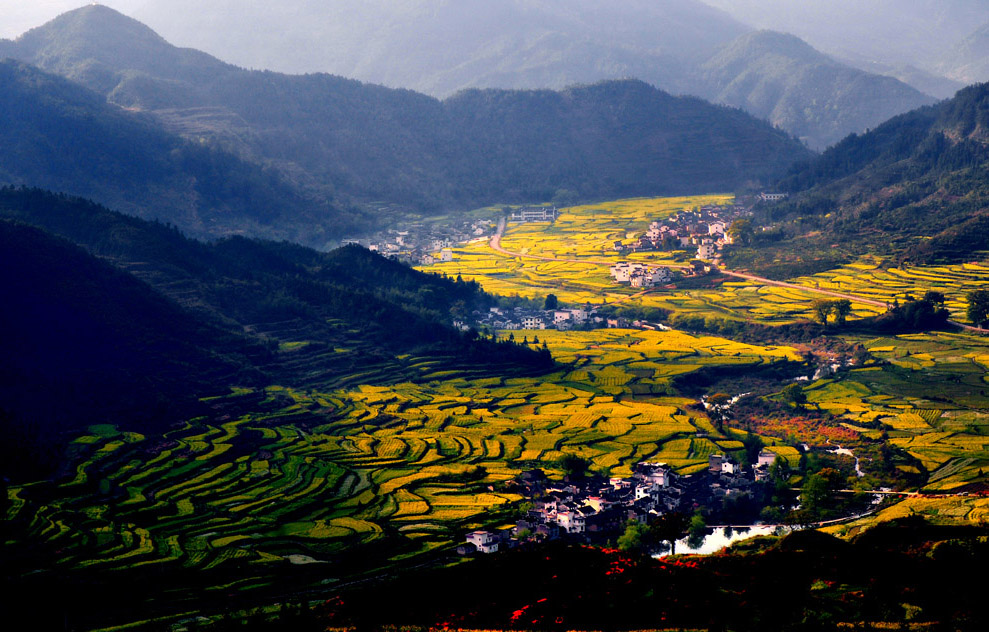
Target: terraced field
x,y
589,233
303,477
349,478
932,401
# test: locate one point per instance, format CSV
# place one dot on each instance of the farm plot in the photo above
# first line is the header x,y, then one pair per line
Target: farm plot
x,y
409,467
931,400
870,278
579,233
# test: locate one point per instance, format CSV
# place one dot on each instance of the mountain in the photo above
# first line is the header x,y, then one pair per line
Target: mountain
x,y
61,136
440,47
340,139
968,61
893,33
110,318
915,185
936,85
775,76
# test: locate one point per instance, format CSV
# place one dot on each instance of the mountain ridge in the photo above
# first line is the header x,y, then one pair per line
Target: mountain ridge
x,y
345,142
550,44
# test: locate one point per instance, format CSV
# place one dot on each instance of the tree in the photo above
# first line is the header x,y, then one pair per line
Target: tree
x,y
551,302
794,394
936,298
978,307
635,538
564,197
697,531
841,308
753,446
741,231
573,466
822,309
670,527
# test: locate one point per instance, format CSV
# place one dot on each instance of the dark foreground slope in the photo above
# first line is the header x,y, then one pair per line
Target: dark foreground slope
x,y
916,185
137,324
341,139
85,343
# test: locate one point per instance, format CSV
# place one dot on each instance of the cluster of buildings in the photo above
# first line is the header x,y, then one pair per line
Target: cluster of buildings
x,y
521,318
595,509
640,274
416,244
704,228
525,318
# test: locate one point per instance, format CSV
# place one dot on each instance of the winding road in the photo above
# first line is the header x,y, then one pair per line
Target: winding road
x,y
495,244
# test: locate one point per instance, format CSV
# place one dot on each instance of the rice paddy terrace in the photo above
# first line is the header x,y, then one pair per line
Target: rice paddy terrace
x,y
279,482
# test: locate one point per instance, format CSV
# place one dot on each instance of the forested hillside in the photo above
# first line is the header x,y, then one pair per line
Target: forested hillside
x,y
58,135
914,185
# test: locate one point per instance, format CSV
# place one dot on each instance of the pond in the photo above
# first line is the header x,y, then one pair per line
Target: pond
x,y
721,537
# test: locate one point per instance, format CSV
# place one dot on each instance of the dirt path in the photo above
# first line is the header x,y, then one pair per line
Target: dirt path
x,y
497,247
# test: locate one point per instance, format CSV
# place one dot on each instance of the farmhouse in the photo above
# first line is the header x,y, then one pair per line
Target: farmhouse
x,y
773,197
535,214
484,541
707,251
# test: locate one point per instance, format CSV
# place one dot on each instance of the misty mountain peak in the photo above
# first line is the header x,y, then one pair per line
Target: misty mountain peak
x,y
91,44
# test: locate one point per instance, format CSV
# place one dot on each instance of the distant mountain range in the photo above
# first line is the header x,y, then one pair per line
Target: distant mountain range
x,y
915,186
902,38
782,79
968,61
442,46
277,155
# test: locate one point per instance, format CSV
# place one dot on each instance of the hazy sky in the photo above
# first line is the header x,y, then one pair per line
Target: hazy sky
x,y
17,16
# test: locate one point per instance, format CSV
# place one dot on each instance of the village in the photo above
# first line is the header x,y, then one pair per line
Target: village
x,y
593,509
423,244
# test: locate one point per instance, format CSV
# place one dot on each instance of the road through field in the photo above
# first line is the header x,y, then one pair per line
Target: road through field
x,y
495,244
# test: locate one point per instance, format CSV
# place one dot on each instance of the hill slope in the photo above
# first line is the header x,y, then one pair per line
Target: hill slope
x,y
85,343
339,138
775,76
173,319
915,185
61,136
968,61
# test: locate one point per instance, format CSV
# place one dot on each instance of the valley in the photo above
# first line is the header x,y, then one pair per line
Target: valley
x,y
520,350
282,488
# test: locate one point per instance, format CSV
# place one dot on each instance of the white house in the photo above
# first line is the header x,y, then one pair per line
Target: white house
x,y
485,541
571,521
533,322
707,251
766,458
773,197
446,255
